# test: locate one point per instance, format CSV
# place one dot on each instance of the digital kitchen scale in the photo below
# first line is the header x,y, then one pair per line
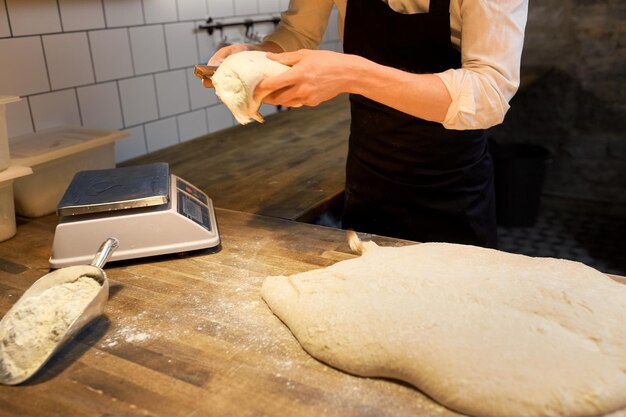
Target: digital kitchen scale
x,y
149,211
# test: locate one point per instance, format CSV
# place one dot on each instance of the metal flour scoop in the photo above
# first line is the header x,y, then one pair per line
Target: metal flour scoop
x,y
30,349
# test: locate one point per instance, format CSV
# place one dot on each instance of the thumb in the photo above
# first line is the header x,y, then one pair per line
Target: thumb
x,y
286,58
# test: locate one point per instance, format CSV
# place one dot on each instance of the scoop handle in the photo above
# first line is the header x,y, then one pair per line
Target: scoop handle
x,y
204,71
105,252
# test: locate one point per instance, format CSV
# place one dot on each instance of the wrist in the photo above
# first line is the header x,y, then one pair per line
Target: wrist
x,y
353,73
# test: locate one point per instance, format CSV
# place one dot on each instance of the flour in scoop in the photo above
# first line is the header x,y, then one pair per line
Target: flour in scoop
x,y
33,330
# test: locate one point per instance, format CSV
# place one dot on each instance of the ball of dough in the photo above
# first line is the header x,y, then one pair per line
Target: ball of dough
x,y
236,79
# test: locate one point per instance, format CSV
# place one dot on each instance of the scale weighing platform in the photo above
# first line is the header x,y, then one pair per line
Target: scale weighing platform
x,y
150,212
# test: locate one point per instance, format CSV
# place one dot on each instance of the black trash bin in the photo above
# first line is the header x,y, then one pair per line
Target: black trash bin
x,y
519,174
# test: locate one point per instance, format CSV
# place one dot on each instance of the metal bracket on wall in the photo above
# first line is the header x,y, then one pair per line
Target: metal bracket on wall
x,y
211,25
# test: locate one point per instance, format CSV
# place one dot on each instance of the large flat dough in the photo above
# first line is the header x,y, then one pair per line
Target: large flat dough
x,y
483,332
236,79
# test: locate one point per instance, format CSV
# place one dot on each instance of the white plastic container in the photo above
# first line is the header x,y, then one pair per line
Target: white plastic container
x,y
4,137
7,210
55,155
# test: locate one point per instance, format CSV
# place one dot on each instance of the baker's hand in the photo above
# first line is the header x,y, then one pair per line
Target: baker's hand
x,y
224,52
315,77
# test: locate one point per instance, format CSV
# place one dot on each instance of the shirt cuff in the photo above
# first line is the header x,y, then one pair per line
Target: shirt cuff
x,y
475,103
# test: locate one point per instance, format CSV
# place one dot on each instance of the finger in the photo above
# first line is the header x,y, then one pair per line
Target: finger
x,y
219,56
283,97
293,104
286,79
207,83
224,52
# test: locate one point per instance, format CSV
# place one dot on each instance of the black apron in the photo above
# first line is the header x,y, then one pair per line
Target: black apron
x,y
407,177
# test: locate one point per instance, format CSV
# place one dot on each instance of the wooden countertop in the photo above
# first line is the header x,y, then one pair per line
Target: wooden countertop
x,y
285,168
192,336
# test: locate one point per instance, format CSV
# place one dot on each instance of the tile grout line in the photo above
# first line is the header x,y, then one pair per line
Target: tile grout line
x,y
80,113
93,63
6,8
156,96
132,56
60,16
45,60
167,56
119,98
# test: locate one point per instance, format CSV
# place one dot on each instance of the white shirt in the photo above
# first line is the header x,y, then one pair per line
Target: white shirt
x,y
489,34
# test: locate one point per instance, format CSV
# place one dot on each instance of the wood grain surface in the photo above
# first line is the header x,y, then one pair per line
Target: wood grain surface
x,y
285,167
191,336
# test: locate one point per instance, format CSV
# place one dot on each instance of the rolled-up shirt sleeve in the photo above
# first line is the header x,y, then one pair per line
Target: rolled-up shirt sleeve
x,y
489,33
303,25
492,37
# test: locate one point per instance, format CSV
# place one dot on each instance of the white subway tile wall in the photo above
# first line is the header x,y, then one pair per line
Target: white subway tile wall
x,y
148,49
192,9
219,117
100,106
138,96
5,30
33,17
199,97
221,8
111,54
192,125
68,58
182,48
59,108
123,12
23,73
132,146
172,94
161,134
21,121
268,6
122,64
160,11
244,7
81,14
267,110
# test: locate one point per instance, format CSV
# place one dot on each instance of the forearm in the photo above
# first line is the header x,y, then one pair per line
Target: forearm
x,y
420,95
318,76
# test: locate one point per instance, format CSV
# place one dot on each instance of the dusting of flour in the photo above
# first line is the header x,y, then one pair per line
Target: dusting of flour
x,y
32,330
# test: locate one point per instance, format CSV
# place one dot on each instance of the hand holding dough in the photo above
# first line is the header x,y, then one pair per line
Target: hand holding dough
x,y
483,332
236,79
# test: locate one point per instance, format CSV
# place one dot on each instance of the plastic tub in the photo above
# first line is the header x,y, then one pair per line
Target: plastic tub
x,y
7,210
4,137
55,155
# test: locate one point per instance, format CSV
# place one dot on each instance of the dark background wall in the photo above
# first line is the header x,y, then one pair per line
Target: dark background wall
x,y
573,98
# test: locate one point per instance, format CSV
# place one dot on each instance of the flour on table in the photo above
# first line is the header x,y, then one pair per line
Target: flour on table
x,y
33,330
236,79
483,332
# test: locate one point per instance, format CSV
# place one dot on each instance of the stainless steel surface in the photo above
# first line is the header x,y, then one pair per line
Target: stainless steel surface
x,y
64,275
105,252
187,223
116,189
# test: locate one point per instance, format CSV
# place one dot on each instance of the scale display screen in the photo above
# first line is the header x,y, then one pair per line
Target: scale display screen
x,y
189,189
193,210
